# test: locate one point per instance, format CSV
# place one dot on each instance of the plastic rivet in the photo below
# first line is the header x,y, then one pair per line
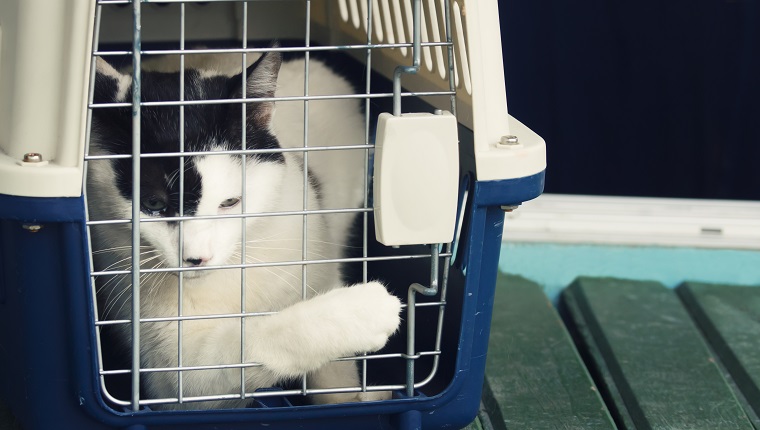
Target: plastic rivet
x,y
32,157
509,140
32,228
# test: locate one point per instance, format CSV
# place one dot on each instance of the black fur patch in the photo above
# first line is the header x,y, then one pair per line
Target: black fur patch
x,y
205,126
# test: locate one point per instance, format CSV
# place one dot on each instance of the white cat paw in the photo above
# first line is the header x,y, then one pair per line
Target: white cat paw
x,y
375,315
375,396
342,322
369,396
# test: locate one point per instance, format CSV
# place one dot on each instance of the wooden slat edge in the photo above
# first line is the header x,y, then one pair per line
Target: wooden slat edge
x,y
729,365
584,330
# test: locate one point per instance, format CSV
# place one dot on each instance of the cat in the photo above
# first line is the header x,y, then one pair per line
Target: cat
x,y
296,335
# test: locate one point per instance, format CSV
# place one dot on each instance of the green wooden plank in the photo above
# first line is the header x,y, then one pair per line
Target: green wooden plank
x,y
481,422
655,366
475,425
534,376
729,317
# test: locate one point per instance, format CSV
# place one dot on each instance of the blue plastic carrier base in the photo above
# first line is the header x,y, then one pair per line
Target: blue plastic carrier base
x,y
48,355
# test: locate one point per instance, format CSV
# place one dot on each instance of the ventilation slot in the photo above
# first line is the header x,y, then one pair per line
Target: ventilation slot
x,y
461,64
343,8
392,22
354,8
377,20
387,20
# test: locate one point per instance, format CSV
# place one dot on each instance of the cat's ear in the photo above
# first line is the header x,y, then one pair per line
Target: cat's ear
x,y
262,75
261,81
110,84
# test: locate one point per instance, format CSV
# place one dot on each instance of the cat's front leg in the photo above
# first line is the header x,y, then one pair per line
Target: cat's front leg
x,y
308,335
342,374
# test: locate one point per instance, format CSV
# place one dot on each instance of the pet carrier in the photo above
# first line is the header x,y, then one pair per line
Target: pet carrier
x,y
439,162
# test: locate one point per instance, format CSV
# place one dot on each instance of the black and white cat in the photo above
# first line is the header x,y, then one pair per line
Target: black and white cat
x,y
298,337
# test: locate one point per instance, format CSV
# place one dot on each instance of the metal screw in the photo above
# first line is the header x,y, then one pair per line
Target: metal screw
x,y
32,157
32,228
509,208
438,111
509,140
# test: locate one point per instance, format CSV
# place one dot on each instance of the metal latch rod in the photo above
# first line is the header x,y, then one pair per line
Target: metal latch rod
x,y
415,67
411,323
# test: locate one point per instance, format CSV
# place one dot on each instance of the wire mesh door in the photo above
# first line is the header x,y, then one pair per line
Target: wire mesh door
x,y
149,122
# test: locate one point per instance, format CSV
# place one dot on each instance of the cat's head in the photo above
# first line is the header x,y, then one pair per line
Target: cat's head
x,y
212,184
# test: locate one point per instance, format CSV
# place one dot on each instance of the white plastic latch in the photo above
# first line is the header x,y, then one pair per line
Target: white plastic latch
x,y
416,178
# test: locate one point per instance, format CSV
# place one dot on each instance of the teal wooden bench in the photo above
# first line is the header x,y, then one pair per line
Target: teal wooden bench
x,y
656,369
643,357
535,378
729,318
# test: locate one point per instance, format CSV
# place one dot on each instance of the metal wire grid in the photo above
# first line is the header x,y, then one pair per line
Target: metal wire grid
x,y
436,252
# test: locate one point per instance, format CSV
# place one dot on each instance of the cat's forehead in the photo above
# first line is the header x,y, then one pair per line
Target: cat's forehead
x,y
196,85
113,86
163,128
171,122
164,125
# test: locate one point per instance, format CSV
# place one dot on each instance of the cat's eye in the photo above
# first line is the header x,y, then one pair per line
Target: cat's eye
x,y
153,204
229,203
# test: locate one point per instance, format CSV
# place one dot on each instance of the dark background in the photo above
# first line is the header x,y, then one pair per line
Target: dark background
x,y
639,98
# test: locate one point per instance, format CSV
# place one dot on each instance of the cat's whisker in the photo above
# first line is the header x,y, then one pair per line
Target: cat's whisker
x,y
267,248
119,263
117,248
270,269
123,302
271,237
127,266
285,271
250,245
295,288
301,240
154,280
333,243
129,257
113,277
110,304
173,178
143,285
146,260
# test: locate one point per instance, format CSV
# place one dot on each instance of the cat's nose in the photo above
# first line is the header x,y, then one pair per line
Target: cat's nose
x,y
196,261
